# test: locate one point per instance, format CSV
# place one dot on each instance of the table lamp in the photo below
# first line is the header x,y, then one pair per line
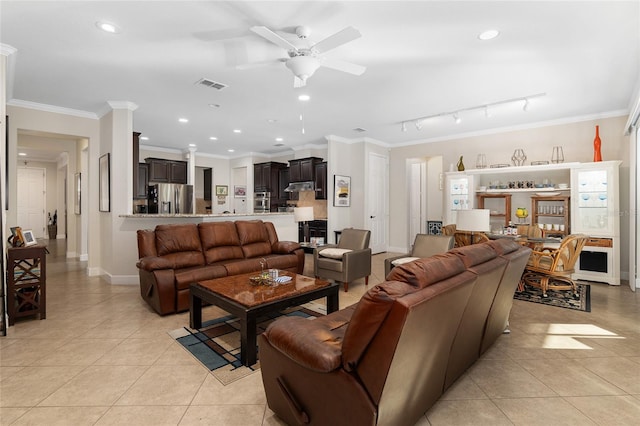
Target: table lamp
x,y
473,220
304,215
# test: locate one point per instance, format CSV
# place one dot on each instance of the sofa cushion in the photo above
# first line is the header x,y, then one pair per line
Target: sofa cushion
x,y
475,254
424,272
403,260
220,241
333,253
504,245
180,243
368,317
254,238
185,277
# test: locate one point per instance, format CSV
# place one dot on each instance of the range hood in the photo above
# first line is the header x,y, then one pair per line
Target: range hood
x,y
300,186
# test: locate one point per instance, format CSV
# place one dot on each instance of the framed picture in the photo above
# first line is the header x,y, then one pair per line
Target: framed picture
x,y
434,227
239,191
105,183
16,236
28,238
78,195
341,191
222,190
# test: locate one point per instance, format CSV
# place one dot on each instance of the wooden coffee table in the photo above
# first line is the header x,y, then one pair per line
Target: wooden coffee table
x,y
246,301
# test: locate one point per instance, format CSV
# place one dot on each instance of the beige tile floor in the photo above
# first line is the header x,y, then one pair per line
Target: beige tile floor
x,y
102,357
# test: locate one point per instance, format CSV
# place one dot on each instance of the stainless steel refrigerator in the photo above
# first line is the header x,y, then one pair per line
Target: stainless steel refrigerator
x,y
170,198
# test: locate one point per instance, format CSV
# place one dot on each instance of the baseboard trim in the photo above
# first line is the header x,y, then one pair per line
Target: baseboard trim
x,y
84,257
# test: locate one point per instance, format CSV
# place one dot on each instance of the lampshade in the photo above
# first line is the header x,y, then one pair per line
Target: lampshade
x,y
474,220
303,214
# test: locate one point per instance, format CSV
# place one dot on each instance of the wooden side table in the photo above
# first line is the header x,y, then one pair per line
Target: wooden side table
x,y
26,282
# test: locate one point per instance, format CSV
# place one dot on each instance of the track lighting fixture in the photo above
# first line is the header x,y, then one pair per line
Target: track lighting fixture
x,y
420,121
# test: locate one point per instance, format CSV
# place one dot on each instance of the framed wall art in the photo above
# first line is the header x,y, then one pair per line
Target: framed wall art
x,y
341,191
105,183
77,193
239,191
222,190
434,227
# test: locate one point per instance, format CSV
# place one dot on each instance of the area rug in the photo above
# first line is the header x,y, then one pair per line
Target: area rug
x,y
560,298
217,344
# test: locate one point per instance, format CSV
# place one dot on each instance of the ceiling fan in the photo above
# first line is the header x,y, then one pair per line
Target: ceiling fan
x,y
303,62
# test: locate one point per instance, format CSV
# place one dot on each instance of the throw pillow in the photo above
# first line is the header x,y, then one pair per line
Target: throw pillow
x,y
333,253
403,260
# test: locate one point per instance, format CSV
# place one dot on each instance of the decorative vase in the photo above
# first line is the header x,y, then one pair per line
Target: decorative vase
x,y
518,157
460,165
597,155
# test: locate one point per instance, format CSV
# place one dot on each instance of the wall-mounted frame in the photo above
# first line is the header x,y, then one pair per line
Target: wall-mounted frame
x,y
105,183
222,190
341,191
434,227
77,193
28,237
239,191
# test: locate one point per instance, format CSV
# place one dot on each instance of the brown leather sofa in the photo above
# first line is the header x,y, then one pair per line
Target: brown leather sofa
x,y
387,359
171,257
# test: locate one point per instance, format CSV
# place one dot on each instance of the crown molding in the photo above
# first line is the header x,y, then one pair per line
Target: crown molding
x,y
7,50
52,108
113,105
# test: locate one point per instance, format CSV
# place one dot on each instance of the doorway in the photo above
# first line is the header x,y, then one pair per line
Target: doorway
x,y
31,206
377,200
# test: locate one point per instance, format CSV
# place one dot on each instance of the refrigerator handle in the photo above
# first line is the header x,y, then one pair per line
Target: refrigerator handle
x,y
176,199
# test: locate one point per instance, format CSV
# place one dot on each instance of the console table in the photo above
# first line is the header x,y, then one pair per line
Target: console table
x,y
26,282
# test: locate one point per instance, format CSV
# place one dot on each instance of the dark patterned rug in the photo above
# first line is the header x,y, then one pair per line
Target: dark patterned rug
x,y
217,344
560,298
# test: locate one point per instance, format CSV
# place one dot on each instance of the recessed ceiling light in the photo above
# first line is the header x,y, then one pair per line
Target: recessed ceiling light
x,y
279,144
231,150
183,120
237,131
488,34
213,138
192,145
22,154
144,138
214,105
272,120
108,27
279,139
304,97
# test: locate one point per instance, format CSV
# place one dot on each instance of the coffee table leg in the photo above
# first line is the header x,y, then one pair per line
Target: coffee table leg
x,y
248,355
332,301
195,311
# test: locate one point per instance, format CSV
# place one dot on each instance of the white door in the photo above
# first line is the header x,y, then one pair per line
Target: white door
x,y
31,200
416,217
376,209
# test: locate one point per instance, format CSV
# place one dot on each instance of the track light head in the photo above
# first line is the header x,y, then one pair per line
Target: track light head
x,y
487,113
404,126
457,118
418,124
525,107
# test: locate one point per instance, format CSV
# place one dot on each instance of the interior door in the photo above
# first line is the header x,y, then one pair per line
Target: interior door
x,y
377,202
31,200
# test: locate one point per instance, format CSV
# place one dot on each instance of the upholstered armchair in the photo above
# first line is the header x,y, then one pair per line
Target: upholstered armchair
x,y
423,246
551,268
346,261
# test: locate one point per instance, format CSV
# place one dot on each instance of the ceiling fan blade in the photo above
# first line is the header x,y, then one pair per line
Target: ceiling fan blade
x,y
273,37
298,82
343,66
251,65
338,39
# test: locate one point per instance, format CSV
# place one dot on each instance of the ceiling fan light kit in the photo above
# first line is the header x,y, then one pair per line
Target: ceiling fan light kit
x,y
455,115
304,61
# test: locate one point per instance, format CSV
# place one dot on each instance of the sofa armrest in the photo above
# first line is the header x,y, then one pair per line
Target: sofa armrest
x,y
387,262
357,263
154,263
284,247
314,344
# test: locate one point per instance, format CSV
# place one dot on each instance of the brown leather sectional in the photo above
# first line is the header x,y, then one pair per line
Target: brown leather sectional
x,y
171,257
387,359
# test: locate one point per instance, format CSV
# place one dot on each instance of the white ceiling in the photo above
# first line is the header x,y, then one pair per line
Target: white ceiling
x,y
423,58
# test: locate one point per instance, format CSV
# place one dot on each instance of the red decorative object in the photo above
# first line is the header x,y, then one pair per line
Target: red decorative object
x,y
597,155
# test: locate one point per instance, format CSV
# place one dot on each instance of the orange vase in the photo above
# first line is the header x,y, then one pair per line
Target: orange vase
x,y
597,155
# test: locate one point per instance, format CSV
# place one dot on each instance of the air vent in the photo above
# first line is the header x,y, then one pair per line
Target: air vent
x,y
359,130
210,83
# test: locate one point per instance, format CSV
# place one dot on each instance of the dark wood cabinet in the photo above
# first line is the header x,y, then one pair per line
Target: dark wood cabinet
x,y
283,182
167,171
142,183
136,160
317,229
266,177
321,181
303,169
208,179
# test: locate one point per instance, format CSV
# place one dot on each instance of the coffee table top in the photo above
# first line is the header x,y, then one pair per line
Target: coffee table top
x,y
240,289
